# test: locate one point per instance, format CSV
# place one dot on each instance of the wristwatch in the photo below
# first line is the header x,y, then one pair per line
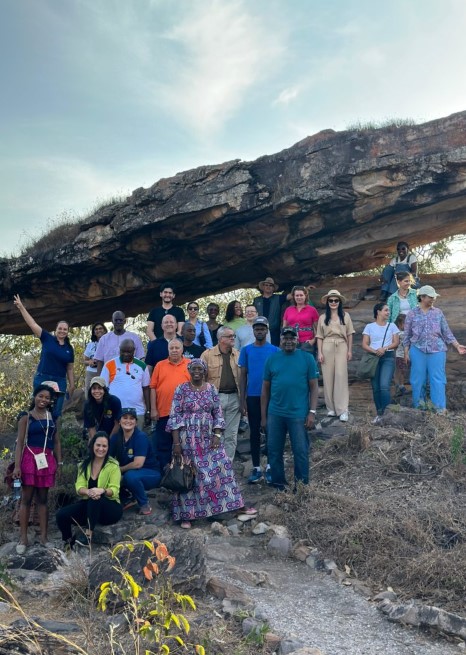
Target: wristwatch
x,y
312,411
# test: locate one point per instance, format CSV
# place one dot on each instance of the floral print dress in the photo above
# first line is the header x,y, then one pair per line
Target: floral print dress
x,y
195,414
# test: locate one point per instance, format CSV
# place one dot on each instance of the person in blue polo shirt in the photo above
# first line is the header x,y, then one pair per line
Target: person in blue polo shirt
x,y
252,360
288,404
138,464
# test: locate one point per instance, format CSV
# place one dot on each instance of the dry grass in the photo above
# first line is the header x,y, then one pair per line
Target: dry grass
x,y
392,528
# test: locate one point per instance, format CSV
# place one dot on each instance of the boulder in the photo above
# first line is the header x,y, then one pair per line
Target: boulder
x,y
334,203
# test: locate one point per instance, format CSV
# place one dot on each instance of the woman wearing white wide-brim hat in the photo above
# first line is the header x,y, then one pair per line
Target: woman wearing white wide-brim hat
x,y
334,351
426,339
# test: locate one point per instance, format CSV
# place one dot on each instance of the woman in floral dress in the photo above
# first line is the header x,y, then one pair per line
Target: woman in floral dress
x,y
196,423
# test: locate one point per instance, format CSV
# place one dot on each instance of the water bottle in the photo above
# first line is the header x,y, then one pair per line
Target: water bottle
x,y
16,489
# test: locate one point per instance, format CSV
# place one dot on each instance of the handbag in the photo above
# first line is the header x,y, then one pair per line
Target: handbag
x,y
369,362
367,366
179,475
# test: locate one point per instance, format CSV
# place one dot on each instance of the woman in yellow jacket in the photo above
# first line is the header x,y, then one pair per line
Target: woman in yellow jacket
x,y
98,485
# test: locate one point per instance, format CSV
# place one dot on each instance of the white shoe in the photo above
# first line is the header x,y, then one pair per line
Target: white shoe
x,y
21,549
376,420
331,413
344,417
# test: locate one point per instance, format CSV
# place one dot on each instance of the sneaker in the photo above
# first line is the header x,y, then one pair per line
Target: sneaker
x,y
145,510
376,420
21,549
268,475
82,540
331,413
131,502
255,476
344,417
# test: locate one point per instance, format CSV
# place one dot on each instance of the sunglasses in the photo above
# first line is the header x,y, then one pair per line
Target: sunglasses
x,y
334,300
193,309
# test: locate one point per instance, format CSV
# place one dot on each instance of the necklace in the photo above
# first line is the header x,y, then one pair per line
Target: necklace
x,y
197,387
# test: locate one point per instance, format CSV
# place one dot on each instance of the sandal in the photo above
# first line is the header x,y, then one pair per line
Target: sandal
x,y
250,511
186,525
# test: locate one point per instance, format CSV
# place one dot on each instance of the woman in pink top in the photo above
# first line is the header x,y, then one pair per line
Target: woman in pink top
x,y
301,316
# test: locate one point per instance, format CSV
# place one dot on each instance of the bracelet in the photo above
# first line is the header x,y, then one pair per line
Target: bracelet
x,y
60,463
312,411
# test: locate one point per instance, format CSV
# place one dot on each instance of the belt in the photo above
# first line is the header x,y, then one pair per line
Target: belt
x,y
229,392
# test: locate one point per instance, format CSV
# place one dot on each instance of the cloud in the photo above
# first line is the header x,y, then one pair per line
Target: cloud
x,y
288,95
224,51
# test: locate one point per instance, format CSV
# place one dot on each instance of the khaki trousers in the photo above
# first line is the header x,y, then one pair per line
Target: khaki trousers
x,y
335,375
232,415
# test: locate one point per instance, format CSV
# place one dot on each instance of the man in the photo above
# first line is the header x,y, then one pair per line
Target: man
x,y
128,379
190,349
223,373
167,375
154,320
213,310
158,349
109,344
288,404
270,305
252,360
245,334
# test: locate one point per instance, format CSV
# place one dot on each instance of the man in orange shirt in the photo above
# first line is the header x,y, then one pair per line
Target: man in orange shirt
x,y
167,375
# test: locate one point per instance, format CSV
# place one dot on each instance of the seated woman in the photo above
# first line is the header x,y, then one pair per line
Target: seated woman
x,y
196,423
98,485
138,464
102,410
405,262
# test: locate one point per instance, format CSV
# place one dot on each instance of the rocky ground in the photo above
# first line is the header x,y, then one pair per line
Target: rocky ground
x,y
304,571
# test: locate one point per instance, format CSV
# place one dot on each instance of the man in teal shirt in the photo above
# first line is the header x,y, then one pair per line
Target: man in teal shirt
x,y
288,404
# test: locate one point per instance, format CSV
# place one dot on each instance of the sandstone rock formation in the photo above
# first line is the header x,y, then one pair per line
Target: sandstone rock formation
x,y
334,203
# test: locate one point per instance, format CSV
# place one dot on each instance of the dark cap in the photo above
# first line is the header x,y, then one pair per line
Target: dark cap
x,y
289,330
261,320
129,411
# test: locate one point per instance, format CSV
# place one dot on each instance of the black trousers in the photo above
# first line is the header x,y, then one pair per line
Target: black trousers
x,y
254,418
88,513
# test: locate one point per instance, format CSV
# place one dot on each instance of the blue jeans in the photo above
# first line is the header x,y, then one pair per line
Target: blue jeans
x,y
138,480
162,442
277,427
40,378
382,380
428,366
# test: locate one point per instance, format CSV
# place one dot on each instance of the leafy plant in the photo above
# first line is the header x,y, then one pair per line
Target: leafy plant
x,y
152,615
457,449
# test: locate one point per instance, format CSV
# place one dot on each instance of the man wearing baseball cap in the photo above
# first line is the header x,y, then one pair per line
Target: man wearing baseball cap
x,y
252,360
288,405
245,334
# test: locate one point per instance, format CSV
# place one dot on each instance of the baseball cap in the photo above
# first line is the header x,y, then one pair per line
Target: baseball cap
x,y
289,330
98,380
53,385
260,320
129,411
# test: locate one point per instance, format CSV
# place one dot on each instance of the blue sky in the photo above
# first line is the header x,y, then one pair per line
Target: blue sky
x,y
100,97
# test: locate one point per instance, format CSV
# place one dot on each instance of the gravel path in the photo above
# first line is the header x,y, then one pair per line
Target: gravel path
x,y
318,611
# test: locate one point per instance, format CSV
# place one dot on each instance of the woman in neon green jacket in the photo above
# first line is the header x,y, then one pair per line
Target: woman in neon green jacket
x,y
98,485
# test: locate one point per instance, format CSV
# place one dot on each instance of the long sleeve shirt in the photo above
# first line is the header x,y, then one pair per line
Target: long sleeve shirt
x,y
428,331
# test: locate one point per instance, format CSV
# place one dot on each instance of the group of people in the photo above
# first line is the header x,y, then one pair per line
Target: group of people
x,y
195,383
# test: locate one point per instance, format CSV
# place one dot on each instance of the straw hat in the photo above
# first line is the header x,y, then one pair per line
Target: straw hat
x,y
332,292
268,280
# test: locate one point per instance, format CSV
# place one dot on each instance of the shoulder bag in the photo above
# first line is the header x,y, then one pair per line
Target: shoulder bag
x,y
369,362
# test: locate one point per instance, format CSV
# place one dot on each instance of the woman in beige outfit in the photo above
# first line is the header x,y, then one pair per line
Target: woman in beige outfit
x,y
334,347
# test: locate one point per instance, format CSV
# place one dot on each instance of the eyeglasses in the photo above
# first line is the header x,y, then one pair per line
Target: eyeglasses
x,y
334,300
228,336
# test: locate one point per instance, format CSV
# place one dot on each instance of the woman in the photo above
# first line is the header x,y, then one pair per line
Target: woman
x,y
301,316
98,486
56,358
102,410
426,339
196,423
381,338
203,337
405,262
38,451
335,349
234,315
98,330
138,464
404,299
213,310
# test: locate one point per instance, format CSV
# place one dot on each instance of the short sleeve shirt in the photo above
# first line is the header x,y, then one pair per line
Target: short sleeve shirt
x,y
156,315
105,415
253,358
138,445
376,334
289,376
54,358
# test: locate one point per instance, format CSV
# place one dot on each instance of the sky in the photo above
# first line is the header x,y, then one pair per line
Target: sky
x,y
100,97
